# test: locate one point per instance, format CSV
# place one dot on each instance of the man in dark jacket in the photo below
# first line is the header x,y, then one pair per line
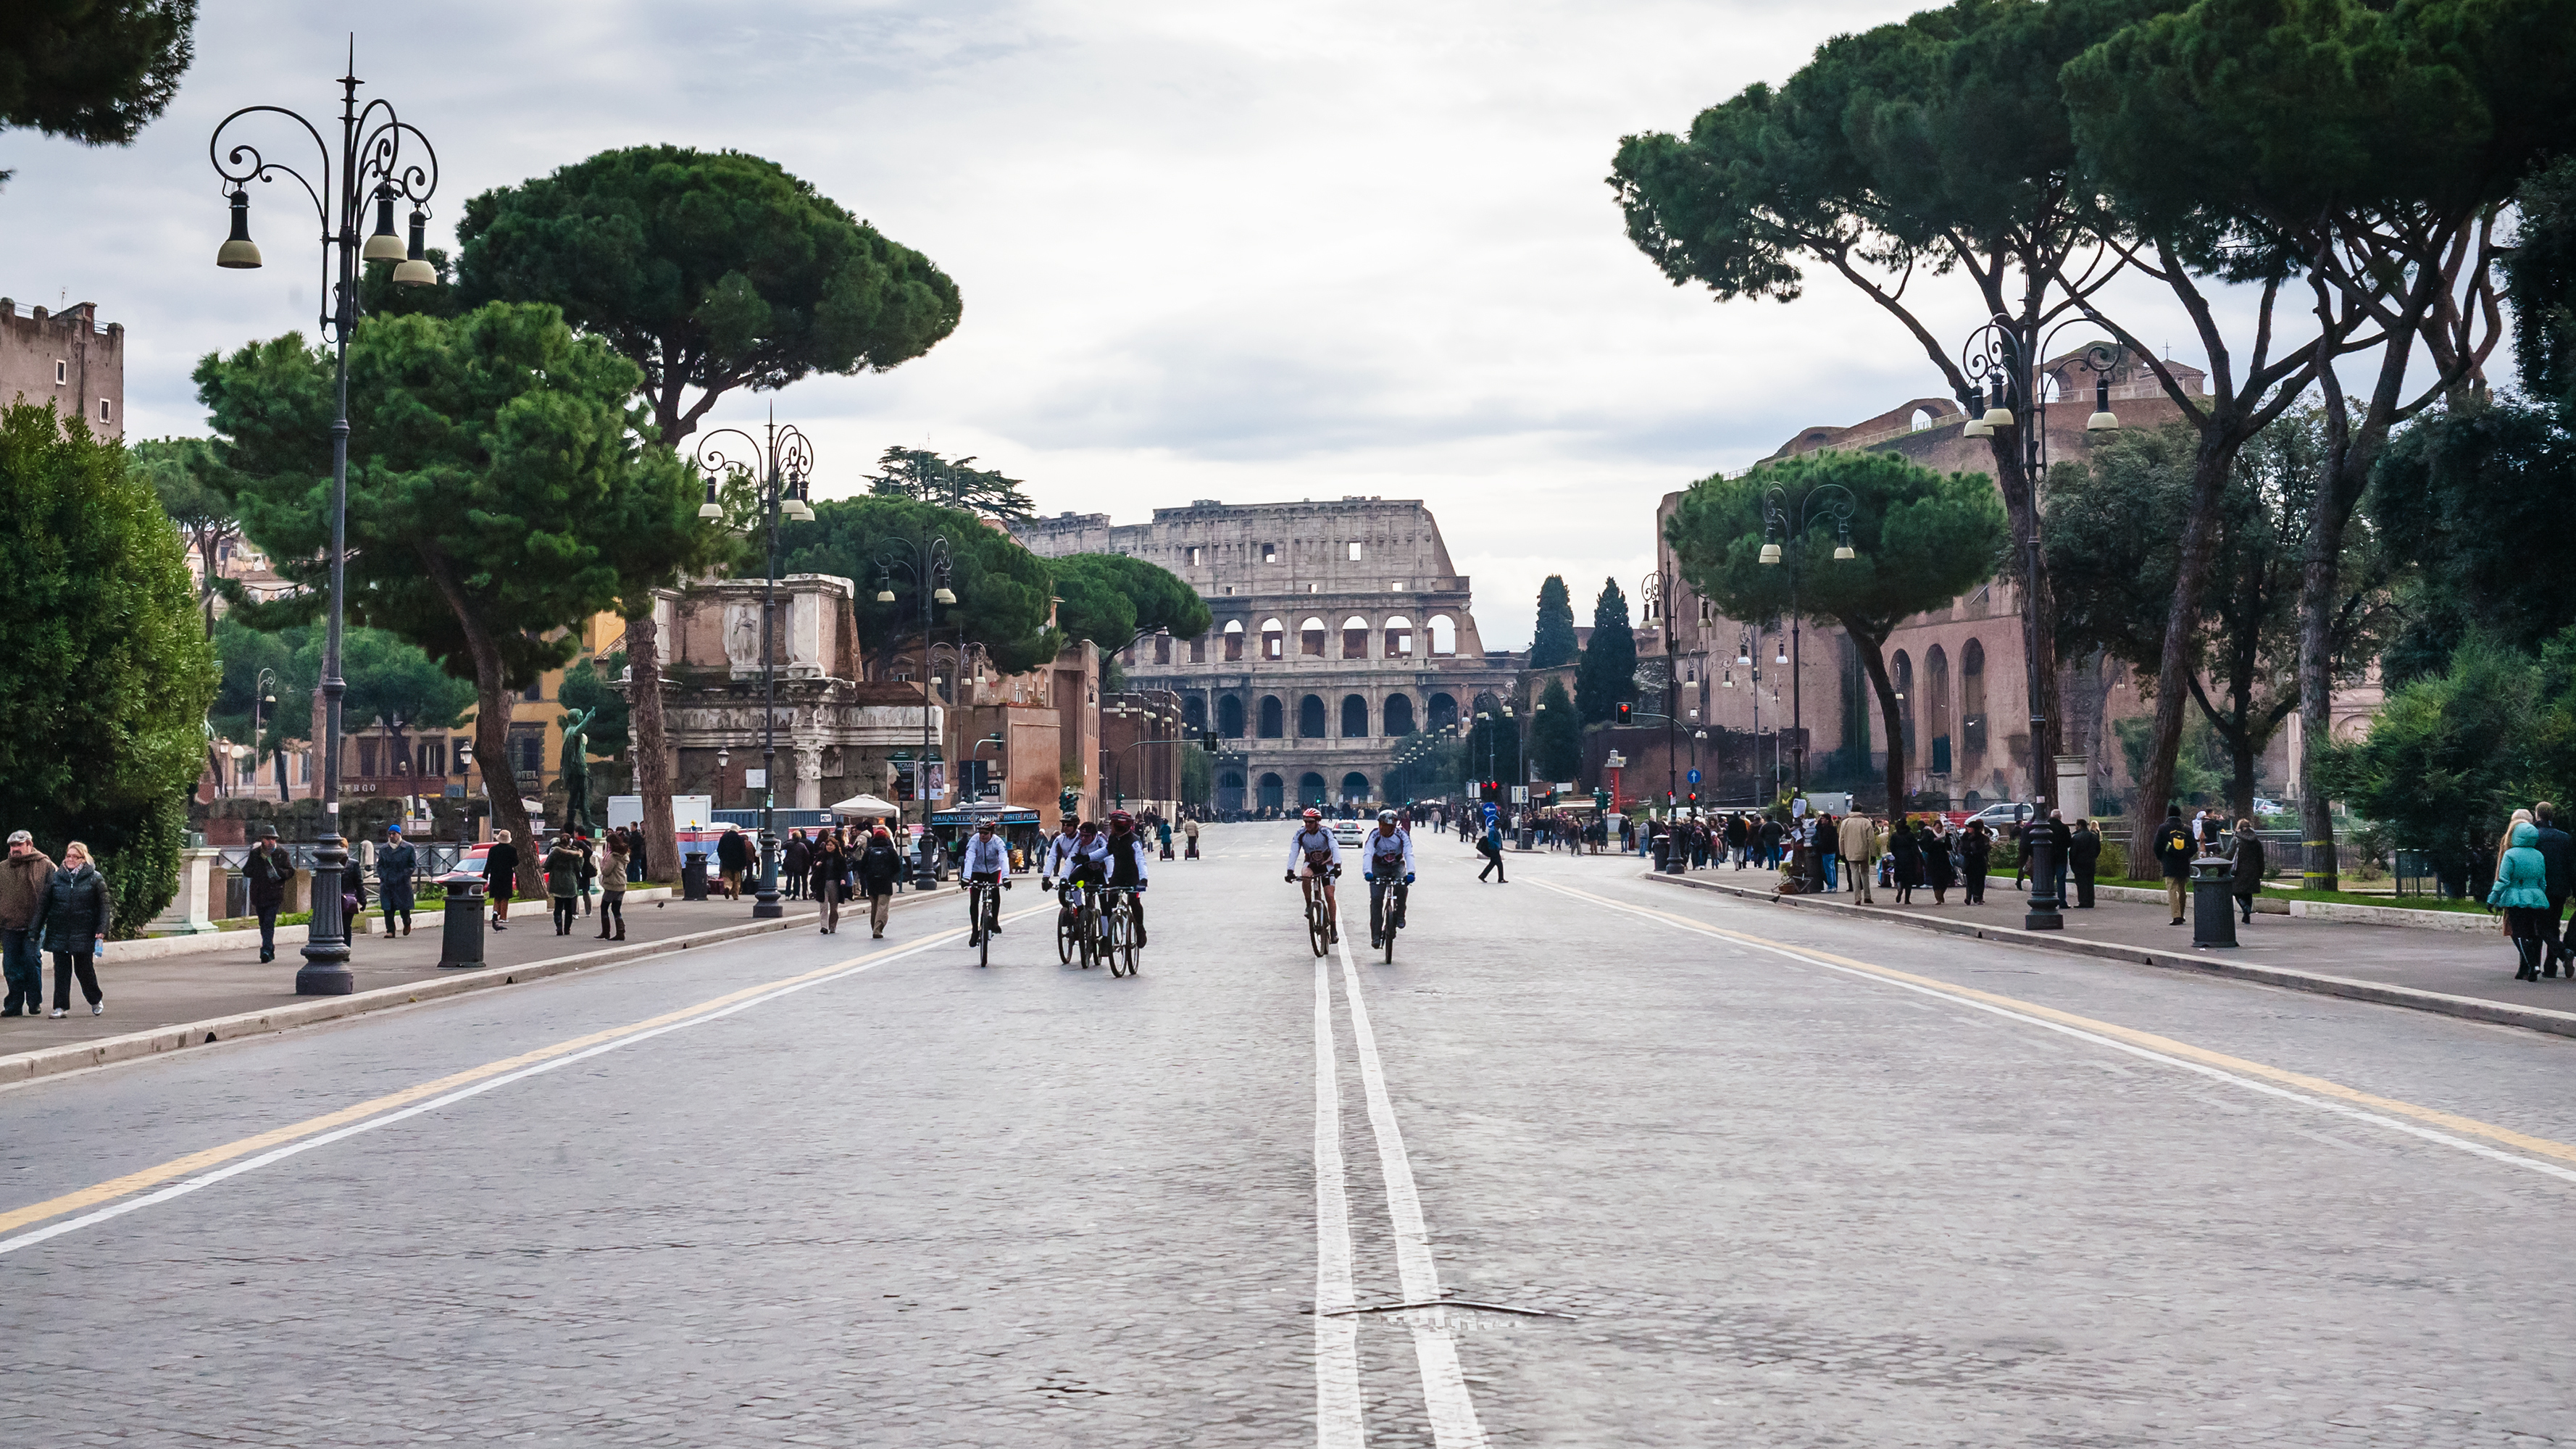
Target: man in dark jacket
x,y
394,867
501,877
879,866
23,877
2554,845
2083,854
2174,850
793,861
733,858
268,870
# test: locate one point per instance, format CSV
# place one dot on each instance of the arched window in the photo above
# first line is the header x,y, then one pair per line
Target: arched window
x,y
1441,711
1355,632
1274,793
1310,638
1229,717
1310,717
1399,638
1902,675
1354,717
1271,718
1399,714
1444,636
1233,640
1229,790
1274,639
1310,789
1194,714
1936,706
1355,788
1972,699
1921,419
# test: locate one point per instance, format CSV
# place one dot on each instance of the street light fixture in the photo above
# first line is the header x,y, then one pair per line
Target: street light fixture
x,y
372,167
927,562
2001,357
1838,504
780,470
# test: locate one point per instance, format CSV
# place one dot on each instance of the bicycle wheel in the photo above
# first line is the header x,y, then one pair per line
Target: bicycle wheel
x,y
1089,926
1127,940
1316,934
1117,940
983,931
1064,934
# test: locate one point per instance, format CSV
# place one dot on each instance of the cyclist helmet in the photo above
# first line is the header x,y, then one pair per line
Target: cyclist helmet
x,y
1386,817
1121,819
1314,814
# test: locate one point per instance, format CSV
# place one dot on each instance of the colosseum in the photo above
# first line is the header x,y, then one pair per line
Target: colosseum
x,y
1339,629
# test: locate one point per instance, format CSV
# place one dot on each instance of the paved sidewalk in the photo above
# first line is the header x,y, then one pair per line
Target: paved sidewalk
x,y
146,994
2456,964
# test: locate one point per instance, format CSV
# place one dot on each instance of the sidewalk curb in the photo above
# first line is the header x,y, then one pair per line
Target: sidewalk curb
x,y
2441,1003
78,1056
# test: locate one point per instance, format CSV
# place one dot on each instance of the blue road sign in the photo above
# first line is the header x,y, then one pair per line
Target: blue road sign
x,y
1694,777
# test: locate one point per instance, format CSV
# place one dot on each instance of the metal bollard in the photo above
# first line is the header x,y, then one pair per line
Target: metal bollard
x,y
460,943
2213,909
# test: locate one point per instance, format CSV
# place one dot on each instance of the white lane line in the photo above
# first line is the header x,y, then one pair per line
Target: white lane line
x,y
1337,1339
2220,1074
252,1164
1444,1383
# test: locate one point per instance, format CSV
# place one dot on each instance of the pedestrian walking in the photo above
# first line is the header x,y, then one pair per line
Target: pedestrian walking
x,y
634,856
827,872
72,921
1857,841
1908,848
2083,855
268,870
2554,845
589,869
796,861
1940,867
1976,848
2173,848
23,878
733,857
2245,869
879,866
2521,892
612,887
395,866
562,868
1490,846
501,877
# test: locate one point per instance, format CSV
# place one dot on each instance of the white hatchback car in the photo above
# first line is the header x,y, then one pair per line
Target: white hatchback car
x,y
1347,833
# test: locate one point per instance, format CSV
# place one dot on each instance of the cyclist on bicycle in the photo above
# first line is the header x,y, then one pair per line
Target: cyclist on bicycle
x,y
986,860
1056,856
1122,858
1320,859
1385,854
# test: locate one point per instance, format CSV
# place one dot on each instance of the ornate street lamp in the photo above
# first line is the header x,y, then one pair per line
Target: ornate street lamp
x,y
927,563
780,470
2000,359
1838,504
373,167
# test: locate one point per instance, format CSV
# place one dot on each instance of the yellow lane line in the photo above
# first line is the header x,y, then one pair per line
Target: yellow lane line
x,y
196,1162
2148,1041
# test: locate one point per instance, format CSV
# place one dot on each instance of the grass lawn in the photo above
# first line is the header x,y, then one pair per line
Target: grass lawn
x,y
2356,898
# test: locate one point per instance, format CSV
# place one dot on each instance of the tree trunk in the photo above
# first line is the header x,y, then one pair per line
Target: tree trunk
x,y
2029,567
2210,473
1891,718
492,728
652,753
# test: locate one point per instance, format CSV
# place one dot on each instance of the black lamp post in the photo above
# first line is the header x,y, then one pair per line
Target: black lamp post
x,y
928,564
1659,590
1838,504
780,470
2004,361
372,168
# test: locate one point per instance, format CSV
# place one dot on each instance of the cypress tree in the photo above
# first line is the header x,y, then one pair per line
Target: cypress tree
x,y
1609,671
1552,644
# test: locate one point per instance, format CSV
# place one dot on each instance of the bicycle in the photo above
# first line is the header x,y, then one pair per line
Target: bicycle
x,y
1068,931
1386,912
1319,922
1118,930
984,917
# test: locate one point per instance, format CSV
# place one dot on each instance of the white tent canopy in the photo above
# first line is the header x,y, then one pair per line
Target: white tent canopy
x,y
866,805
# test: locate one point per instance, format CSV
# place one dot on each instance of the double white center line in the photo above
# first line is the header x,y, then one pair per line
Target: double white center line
x,y
1337,1390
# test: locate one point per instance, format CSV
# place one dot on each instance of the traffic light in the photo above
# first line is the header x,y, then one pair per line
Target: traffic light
x,y
1694,799
1625,711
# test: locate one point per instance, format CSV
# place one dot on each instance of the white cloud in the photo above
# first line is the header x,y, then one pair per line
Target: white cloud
x,y
1242,251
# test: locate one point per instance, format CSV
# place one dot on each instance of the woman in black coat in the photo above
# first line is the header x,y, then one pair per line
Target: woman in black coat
x,y
71,919
1938,869
2245,871
1907,848
1974,851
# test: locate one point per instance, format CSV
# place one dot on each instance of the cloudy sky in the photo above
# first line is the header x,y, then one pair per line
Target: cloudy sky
x,y
1209,249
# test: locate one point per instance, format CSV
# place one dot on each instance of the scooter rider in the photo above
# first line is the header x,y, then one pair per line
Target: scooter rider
x,y
1315,852
1386,854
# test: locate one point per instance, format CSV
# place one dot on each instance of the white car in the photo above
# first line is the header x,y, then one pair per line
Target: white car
x,y
2000,817
1347,833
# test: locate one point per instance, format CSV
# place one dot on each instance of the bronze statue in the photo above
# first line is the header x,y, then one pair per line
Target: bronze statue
x,y
576,771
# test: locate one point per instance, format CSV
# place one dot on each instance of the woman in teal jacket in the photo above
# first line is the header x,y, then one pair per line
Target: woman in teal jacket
x,y
2521,891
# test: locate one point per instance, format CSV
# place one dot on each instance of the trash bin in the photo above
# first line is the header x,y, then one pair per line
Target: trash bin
x,y
2213,908
693,877
1663,848
460,942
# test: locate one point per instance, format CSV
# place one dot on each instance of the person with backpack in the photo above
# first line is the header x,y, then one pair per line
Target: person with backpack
x,y
2174,850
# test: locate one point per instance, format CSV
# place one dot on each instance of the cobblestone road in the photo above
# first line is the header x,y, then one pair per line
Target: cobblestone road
x,y
1765,1193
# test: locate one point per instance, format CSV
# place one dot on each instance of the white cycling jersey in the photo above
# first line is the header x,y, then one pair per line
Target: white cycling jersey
x,y
1301,851
986,854
1387,853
